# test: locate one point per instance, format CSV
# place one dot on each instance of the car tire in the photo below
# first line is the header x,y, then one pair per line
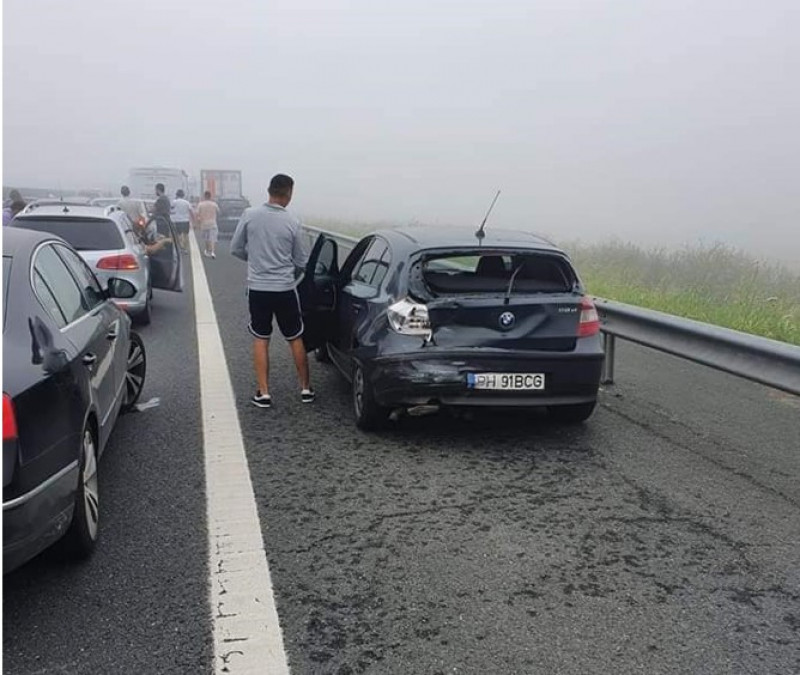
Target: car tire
x,y
369,415
572,414
80,538
135,372
144,317
322,354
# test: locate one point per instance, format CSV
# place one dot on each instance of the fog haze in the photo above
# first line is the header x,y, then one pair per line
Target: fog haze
x,y
661,122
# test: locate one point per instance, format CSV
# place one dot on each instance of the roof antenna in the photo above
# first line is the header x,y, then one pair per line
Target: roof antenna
x,y
480,234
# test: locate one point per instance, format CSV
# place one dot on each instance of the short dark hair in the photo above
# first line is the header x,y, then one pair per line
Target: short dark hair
x,y
280,185
17,205
14,195
179,194
160,188
125,190
207,194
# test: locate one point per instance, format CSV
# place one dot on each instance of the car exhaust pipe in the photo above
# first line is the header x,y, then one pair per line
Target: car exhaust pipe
x,y
422,410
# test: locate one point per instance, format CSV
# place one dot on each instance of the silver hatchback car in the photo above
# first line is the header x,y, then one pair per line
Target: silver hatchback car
x,y
105,239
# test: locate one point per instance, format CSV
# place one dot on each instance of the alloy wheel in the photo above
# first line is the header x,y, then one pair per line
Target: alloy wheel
x,y
91,493
134,376
358,391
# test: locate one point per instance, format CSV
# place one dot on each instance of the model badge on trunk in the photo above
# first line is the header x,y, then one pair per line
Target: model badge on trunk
x,y
507,320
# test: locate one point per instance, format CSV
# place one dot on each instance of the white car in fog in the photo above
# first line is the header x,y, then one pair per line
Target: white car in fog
x,y
104,237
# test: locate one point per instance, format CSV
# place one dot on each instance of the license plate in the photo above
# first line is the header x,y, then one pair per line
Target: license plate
x,y
506,381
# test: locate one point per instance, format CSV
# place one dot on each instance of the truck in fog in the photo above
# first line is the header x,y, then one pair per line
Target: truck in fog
x,y
226,189
142,181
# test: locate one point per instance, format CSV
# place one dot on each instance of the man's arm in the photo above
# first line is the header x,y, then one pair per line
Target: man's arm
x,y
299,252
239,241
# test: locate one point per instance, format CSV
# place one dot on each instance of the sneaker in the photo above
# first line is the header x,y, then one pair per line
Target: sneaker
x,y
213,255
307,396
261,400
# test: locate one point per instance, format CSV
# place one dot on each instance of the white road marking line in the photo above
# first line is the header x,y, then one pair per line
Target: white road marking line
x,y
247,634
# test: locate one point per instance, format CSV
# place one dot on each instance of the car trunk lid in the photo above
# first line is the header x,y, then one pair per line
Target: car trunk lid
x,y
509,299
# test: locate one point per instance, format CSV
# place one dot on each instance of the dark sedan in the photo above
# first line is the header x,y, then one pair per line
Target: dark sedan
x,y
419,318
70,365
230,212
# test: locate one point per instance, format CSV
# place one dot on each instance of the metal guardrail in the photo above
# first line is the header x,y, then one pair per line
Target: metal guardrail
x,y
769,362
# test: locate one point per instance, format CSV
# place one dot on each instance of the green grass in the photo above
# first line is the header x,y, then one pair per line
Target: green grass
x,y
715,284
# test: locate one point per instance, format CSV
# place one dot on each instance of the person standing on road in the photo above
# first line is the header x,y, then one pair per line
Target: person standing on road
x,y
162,209
268,238
207,212
17,206
183,217
132,207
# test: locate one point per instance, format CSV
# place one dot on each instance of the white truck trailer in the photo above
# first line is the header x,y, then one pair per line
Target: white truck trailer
x,y
142,181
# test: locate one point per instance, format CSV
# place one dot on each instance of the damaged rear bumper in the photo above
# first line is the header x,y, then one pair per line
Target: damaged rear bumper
x,y
440,378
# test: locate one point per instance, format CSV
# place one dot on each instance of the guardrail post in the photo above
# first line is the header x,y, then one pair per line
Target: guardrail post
x,y
609,347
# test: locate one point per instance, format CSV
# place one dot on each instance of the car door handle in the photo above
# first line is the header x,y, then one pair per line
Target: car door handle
x,y
112,334
89,359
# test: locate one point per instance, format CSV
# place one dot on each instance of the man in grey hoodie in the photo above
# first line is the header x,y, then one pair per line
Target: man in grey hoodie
x,y
268,238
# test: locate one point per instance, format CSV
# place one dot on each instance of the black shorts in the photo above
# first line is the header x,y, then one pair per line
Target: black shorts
x,y
182,227
283,305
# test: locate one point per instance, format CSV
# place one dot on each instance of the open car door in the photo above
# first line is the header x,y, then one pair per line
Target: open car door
x,y
318,291
166,271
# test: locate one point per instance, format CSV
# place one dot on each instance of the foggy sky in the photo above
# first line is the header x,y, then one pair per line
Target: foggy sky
x,y
658,121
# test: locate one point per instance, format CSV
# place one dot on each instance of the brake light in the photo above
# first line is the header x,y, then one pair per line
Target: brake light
x,y
9,419
409,318
126,261
589,323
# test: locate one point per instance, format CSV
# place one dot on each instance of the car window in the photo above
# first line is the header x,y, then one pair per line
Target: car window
x,y
84,234
62,286
520,271
372,262
325,260
355,257
382,268
47,299
92,291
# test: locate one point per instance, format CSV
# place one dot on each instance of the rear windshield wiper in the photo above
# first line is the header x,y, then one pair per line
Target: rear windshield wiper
x,y
511,283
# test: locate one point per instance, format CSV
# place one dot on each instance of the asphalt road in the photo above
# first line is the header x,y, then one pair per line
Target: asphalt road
x,y
662,536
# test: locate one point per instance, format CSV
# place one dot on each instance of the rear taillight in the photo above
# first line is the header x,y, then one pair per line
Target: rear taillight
x,y
590,321
409,318
126,261
9,419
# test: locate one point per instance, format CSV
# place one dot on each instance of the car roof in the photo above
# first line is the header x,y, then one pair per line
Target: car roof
x,y
463,237
17,241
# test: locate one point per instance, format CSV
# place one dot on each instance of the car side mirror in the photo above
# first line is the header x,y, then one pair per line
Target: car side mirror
x,y
120,288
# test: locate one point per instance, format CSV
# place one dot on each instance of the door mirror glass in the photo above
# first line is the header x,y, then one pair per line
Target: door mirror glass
x,y
121,288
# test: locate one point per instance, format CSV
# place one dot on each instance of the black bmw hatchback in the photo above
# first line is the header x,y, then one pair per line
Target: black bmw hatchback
x,y
70,365
419,317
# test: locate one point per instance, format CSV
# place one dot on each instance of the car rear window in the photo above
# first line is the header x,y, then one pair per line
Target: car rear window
x,y
493,272
85,234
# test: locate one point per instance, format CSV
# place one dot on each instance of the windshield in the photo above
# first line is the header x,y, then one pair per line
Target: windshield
x,y
85,234
516,272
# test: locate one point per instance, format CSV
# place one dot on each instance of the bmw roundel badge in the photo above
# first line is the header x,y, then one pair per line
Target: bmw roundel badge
x,y
507,320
